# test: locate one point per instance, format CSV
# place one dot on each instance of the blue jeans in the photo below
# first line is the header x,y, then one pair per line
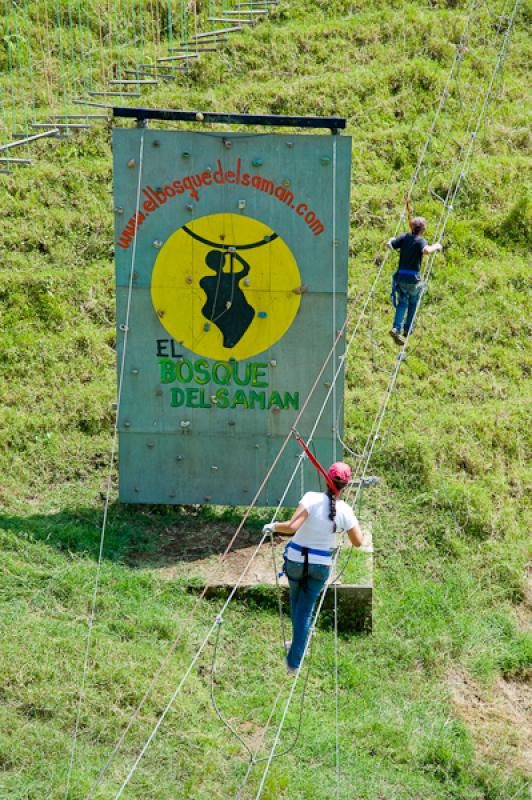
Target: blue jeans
x,y
407,298
303,598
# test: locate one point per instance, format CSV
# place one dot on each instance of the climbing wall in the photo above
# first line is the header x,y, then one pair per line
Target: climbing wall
x,y
231,276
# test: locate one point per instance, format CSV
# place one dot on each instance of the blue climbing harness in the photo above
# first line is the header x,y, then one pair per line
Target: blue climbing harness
x,y
305,551
393,295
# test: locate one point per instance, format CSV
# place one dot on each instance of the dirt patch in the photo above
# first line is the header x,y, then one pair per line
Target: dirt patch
x,y
218,572
524,610
194,553
499,718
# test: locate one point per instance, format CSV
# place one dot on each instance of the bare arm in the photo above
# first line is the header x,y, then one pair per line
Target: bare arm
x,y
298,518
432,248
355,535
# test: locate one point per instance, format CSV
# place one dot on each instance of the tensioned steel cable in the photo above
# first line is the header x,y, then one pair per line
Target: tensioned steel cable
x,y
374,433
380,414
447,211
125,328
224,721
201,596
458,57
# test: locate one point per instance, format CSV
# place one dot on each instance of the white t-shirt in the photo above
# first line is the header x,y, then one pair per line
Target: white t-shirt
x,y
318,530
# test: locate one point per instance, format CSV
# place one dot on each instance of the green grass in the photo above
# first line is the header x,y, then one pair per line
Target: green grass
x,y
449,517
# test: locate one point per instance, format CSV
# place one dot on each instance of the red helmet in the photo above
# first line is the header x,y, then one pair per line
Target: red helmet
x,y
339,472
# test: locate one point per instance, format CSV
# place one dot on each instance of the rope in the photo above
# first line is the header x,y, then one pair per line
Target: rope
x,y
208,636
278,592
62,56
342,359
253,761
201,596
380,414
334,246
109,485
336,693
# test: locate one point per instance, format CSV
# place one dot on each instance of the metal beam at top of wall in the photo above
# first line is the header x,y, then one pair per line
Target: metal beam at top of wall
x,y
271,120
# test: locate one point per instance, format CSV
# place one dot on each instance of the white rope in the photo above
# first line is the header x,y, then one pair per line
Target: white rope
x,y
334,247
457,58
336,693
380,414
109,485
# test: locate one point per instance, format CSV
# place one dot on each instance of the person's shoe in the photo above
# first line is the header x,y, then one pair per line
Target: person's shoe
x,y
396,336
291,670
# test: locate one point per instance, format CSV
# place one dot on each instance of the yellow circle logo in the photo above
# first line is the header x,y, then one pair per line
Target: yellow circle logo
x,y
226,286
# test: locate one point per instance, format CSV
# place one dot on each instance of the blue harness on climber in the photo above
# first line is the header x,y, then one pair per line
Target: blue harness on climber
x,y
393,294
305,552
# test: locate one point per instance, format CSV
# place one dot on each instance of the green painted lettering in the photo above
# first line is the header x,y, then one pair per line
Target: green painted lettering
x,y
226,373
275,400
291,400
222,400
247,374
259,371
202,403
259,397
192,395
167,370
239,399
177,397
184,371
201,368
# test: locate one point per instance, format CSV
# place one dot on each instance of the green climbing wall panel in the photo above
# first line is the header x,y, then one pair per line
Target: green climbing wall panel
x,y
236,244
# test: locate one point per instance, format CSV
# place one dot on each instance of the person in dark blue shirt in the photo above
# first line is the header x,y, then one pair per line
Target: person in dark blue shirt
x,y
407,283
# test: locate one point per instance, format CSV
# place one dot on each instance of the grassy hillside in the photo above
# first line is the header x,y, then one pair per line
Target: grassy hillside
x,y
433,703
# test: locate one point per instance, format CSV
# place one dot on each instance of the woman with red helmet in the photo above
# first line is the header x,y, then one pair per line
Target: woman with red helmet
x,y
308,555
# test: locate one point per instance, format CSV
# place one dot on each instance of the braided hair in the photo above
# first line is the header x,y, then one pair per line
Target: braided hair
x,y
332,502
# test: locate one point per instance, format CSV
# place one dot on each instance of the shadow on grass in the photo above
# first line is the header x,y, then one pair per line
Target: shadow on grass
x,y
140,535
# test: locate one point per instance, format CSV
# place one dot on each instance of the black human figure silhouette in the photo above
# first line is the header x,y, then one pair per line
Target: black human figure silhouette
x,y
226,304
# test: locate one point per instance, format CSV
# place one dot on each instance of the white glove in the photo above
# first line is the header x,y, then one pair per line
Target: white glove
x,y
269,528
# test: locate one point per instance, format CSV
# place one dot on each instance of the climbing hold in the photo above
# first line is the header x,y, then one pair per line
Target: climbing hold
x,y
257,162
262,314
